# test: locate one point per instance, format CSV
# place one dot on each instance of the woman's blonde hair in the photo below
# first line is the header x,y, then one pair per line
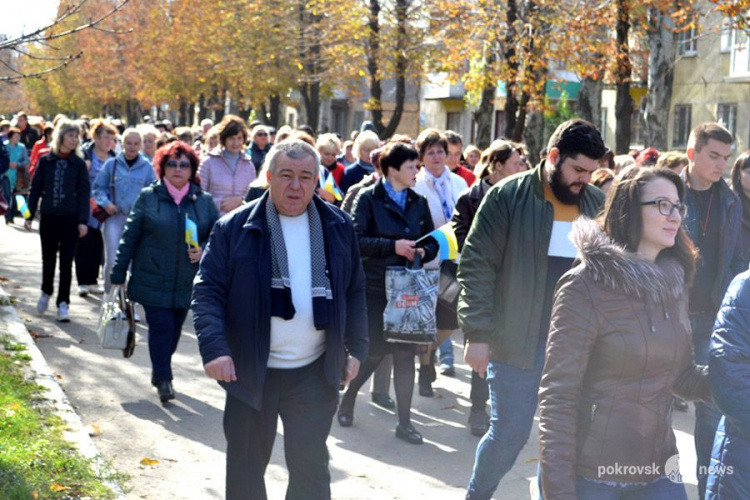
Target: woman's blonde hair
x,y
64,126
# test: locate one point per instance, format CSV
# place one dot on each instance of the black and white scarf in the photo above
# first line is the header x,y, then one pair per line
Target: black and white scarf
x,y
281,291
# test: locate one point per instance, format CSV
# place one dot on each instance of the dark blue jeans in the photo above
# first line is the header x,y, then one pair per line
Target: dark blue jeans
x,y
513,401
707,415
164,330
306,402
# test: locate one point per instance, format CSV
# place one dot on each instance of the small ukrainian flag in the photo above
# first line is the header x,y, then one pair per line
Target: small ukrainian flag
x,y
191,232
22,207
331,187
447,240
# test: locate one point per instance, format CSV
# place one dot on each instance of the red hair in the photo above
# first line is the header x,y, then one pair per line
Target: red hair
x,y
175,150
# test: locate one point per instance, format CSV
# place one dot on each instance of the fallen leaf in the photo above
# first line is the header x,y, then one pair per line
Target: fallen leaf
x,y
37,335
94,430
35,494
58,487
531,460
58,376
149,461
449,407
3,279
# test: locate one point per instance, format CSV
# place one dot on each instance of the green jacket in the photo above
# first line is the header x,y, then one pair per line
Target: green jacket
x,y
154,240
503,266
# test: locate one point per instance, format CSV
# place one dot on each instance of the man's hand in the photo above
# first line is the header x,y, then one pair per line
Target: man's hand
x,y
326,195
194,254
230,203
478,357
352,369
111,209
221,369
83,229
27,224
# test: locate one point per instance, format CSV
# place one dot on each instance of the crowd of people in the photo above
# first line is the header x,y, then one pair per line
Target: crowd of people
x,y
597,288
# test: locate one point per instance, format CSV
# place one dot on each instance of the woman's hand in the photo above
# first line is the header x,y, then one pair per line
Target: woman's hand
x,y
230,203
83,230
111,209
13,165
195,254
27,224
406,248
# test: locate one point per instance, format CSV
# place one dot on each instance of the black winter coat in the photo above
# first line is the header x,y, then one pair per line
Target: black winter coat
x,y
379,222
63,185
465,210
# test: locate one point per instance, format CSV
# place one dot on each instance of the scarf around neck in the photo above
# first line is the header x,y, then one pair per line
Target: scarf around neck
x,y
281,291
444,191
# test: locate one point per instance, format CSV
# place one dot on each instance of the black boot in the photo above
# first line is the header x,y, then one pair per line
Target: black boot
x,y
427,376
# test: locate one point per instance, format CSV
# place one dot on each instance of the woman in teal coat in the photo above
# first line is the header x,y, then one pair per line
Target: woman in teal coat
x,y
163,263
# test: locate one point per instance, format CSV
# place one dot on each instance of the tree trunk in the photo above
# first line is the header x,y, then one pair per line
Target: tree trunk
x,y
534,136
275,111
183,112
661,61
590,100
131,112
511,102
623,69
483,117
401,64
202,111
310,55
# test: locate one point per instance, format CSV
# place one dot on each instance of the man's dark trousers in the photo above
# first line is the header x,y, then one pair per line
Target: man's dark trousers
x,y
306,404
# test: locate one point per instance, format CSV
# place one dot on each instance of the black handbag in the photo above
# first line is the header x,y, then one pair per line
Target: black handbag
x,y
449,286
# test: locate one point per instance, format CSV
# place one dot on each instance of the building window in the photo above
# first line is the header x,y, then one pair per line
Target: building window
x,y
453,121
739,64
726,115
687,43
681,127
725,44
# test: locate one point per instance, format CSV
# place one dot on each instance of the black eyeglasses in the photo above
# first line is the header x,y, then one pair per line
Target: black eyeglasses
x,y
261,134
175,164
667,208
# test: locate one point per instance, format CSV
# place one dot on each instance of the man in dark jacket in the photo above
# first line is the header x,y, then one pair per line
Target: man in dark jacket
x,y
714,223
516,250
279,310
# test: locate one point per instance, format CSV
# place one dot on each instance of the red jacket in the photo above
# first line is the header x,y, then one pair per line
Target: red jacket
x,y
465,174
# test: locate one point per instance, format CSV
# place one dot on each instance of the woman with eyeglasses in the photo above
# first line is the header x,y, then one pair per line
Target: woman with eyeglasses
x,y
619,347
163,262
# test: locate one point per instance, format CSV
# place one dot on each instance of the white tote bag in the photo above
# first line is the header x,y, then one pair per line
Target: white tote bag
x,y
113,325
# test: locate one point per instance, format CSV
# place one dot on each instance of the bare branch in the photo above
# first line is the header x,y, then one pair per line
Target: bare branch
x,y
40,74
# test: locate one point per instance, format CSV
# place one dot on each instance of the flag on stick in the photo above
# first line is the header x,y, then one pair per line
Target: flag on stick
x,y
331,187
191,232
446,238
22,207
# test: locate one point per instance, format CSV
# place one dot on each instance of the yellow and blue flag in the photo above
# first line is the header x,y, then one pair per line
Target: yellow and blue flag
x,y
331,187
191,232
446,238
22,207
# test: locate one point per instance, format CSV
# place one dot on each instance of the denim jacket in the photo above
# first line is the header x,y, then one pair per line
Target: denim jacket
x,y
128,182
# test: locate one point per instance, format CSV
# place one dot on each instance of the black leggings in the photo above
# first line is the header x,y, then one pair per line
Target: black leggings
x,y
59,233
403,381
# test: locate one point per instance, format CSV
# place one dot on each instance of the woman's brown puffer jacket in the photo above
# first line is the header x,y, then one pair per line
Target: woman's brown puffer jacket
x,y
619,346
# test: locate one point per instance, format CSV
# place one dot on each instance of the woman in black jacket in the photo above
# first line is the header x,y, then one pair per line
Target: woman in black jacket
x,y
61,180
388,219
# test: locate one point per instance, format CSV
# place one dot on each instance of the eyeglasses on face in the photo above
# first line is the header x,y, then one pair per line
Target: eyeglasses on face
x,y
178,164
261,134
667,208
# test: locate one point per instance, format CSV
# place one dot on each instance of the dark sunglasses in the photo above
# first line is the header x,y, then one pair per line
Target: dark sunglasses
x,y
262,134
666,207
175,164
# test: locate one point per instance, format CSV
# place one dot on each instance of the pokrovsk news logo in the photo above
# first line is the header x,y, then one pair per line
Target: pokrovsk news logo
x,y
671,469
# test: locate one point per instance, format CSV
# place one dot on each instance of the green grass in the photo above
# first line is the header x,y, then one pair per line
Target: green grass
x,y
35,461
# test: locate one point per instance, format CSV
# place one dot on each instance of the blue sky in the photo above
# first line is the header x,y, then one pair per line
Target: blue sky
x,y
25,15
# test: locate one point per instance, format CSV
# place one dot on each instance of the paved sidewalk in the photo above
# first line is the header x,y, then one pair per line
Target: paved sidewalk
x,y
367,461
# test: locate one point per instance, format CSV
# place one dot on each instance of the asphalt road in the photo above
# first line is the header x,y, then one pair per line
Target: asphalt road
x,y
114,395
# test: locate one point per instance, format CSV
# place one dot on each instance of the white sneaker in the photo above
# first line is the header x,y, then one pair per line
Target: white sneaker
x,y
97,289
83,290
43,303
62,313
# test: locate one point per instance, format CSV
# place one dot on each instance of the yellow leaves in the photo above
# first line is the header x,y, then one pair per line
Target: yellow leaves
x,y
94,430
57,487
148,461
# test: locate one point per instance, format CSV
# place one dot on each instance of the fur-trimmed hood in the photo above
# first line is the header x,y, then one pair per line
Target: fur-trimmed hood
x,y
610,265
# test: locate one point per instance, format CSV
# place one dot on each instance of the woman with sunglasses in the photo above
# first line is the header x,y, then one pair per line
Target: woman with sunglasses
x,y
164,263
619,347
